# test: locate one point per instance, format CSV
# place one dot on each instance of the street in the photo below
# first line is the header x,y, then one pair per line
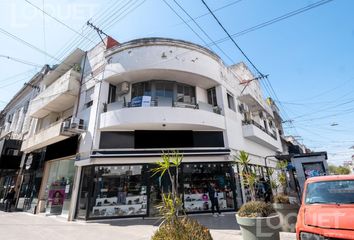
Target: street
x,y
19,226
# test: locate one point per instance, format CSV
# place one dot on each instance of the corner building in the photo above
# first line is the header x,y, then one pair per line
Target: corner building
x,y
140,98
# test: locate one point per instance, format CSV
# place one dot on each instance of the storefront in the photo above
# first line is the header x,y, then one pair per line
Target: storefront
x,y
197,178
109,191
31,178
57,186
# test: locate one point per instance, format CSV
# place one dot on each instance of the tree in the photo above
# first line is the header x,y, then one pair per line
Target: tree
x,y
338,170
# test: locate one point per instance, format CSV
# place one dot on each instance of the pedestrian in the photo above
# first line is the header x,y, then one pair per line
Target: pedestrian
x,y
9,199
268,190
213,196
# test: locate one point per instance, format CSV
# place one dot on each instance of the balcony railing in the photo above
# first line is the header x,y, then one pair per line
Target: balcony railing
x,y
249,122
59,96
162,102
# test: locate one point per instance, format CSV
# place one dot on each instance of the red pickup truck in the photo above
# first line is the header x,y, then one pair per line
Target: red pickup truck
x,y
327,209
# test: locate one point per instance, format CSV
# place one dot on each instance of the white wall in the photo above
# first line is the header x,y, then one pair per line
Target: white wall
x,y
170,59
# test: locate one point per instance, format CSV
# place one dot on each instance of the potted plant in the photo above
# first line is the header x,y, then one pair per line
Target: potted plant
x,y
286,210
257,220
175,224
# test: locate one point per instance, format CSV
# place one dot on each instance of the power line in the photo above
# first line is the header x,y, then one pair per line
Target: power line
x,y
16,75
220,24
205,33
3,31
115,20
21,61
277,19
59,21
44,34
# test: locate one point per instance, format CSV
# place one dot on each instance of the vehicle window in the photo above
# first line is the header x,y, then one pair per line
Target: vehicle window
x,y
330,192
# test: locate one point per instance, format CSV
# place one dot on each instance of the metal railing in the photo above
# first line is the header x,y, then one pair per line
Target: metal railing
x,y
162,102
252,122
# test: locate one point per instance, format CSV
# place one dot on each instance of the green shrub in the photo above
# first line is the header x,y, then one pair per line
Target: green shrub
x,y
182,229
281,199
256,209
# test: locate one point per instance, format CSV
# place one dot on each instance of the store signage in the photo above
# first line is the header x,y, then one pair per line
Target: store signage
x,y
146,101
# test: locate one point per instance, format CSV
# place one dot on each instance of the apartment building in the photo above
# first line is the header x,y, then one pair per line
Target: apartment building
x,y
152,95
14,124
102,119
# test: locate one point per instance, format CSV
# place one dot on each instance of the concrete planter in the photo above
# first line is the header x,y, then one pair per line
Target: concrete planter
x,y
288,215
260,228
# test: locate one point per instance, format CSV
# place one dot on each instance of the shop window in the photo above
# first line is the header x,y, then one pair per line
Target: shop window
x,y
197,178
231,102
212,97
118,191
83,197
59,186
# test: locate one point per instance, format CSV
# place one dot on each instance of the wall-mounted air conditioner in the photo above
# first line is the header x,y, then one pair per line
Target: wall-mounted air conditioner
x,y
77,123
72,126
123,88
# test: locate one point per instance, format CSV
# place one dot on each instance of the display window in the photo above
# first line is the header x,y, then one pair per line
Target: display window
x,y
59,186
197,179
118,191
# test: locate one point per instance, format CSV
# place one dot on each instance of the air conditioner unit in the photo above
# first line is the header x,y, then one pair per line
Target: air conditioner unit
x,y
77,124
261,114
65,125
123,88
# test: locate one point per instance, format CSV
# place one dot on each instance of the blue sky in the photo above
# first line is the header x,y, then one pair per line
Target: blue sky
x,y
309,57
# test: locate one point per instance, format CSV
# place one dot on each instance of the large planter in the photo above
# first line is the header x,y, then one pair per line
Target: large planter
x,y
288,215
259,228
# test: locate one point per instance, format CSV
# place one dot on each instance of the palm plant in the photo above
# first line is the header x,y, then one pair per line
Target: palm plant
x,y
282,179
249,178
171,202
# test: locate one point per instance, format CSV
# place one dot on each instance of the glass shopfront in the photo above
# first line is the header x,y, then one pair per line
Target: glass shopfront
x,y
197,178
118,191
59,186
109,191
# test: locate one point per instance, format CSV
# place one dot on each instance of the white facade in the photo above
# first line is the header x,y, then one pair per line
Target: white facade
x,y
186,88
181,62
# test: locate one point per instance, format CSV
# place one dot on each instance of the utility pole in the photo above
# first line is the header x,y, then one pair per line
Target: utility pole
x,y
98,30
247,82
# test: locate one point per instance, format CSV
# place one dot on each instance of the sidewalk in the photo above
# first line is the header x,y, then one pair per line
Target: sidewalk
x,y
19,226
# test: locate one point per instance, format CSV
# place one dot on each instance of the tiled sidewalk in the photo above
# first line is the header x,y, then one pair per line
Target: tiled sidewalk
x,y
19,226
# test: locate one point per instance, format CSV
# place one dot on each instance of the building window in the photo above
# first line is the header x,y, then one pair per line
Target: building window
x,y
141,89
212,97
112,93
163,92
9,118
89,97
164,89
185,94
25,107
231,102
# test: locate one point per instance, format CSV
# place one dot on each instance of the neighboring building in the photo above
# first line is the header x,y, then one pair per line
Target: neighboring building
x,y
96,131
293,146
14,124
49,147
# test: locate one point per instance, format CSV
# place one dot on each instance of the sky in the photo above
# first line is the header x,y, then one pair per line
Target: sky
x,y
309,56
